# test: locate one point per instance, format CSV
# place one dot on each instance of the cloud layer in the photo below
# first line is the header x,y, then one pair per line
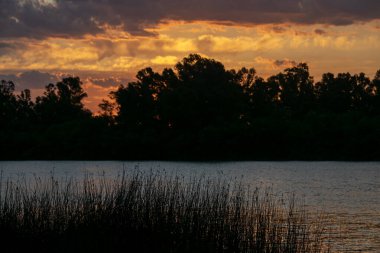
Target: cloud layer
x,y
30,79
106,42
63,18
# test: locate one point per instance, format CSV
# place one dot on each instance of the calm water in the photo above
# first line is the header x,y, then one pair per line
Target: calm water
x,y
349,193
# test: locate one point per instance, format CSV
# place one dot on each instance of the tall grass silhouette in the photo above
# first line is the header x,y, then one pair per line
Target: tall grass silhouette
x,y
151,212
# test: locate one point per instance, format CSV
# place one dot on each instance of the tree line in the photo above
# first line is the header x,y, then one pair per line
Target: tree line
x,y
199,110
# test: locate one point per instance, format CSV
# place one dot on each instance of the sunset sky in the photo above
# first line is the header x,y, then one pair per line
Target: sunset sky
x,y
106,41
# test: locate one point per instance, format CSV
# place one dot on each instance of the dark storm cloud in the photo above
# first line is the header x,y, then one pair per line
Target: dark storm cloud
x,y
320,32
279,29
10,47
281,63
37,18
30,79
109,82
6,47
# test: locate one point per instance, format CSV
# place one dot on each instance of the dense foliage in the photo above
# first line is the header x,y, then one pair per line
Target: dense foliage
x,y
199,110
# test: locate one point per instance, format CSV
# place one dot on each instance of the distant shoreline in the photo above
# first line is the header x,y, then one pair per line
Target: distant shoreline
x,y
199,111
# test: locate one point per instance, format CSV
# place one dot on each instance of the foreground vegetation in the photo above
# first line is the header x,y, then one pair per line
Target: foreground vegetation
x,y
150,213
199,110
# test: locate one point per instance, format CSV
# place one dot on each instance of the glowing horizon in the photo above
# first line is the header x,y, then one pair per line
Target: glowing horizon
x,y
106,47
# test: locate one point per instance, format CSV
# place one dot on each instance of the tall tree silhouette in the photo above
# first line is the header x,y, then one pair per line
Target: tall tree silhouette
x,y
376,93
344,93
376,83
62,102
296,88
107,110
361,94
8,105
137,102
265,97
198,110
25,108
200,93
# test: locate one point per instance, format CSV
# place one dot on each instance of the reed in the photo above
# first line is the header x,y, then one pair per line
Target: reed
x,y
151,212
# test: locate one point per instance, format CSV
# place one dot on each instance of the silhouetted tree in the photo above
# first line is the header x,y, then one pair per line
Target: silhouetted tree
x,y
296,88
376,93
262,96
200,93
62,102
246,79
376,83
25,107
345,92
198,110
361,93
137,102
107,108
8,104
265,97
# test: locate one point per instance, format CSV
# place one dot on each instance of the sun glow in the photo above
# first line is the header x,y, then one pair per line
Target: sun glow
x,y
269,48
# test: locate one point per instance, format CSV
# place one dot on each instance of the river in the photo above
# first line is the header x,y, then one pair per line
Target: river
x,y
347,192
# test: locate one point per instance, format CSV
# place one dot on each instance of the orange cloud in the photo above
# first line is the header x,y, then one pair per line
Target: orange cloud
x,y
269,48
165,60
